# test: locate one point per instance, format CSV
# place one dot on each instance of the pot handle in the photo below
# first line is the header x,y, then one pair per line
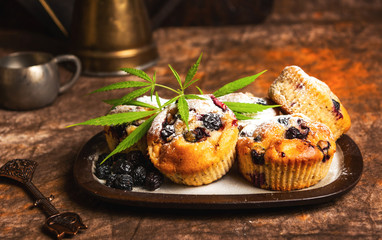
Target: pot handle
x,y
77,63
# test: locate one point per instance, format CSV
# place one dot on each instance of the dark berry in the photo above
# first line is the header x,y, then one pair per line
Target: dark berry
x,y
336,105
218,103
154,180
300,86
261,101
212,121
102,157
110,180
258,156
283,120
122,166
324,148
196,135
257,138
119,157
336,109
139,176
167,132
119,131
136,158
102,171
258,179
293,132
124,182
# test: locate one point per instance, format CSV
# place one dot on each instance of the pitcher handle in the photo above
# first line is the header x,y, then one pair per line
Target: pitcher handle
x,y
77,63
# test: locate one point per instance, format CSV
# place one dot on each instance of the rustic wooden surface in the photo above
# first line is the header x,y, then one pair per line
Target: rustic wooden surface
x,y
343,52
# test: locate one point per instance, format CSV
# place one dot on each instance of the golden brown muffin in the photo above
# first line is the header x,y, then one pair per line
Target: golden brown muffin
x,y
287,152
298,92
198,155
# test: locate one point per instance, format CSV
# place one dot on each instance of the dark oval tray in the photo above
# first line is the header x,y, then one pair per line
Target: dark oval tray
x,y
349,175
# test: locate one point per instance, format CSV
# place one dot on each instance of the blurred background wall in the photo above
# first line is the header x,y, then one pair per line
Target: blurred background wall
x,y
29,15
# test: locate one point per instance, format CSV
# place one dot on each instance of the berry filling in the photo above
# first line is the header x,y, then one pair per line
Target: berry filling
x,y
261,101
293,132
212,121
258,179
168,132
119,131
218,103
324,148
257,155
336,109
283,120
197,135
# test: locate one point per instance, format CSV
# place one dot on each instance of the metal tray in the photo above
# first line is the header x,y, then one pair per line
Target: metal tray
x,y
230,192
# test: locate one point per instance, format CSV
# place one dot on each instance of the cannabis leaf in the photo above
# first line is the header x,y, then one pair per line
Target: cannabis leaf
x,y
128,97
133,137
240,116
121,85
141,104
176,76
138,73
191,73
193,96
183,109
236,85
248,107
116,119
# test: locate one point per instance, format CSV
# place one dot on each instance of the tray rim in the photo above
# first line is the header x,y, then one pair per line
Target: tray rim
x,y
349,177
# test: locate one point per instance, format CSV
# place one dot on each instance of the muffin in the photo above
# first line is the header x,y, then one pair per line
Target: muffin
x,y
200,154
287,152
116,134
297,92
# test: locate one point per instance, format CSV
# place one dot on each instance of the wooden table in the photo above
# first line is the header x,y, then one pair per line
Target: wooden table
x,y
344,54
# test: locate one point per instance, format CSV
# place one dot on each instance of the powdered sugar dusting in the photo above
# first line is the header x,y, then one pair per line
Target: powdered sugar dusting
x,y
249,98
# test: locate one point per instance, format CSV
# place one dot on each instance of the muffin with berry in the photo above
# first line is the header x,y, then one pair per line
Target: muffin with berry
x,y
200,153
297,92
287,152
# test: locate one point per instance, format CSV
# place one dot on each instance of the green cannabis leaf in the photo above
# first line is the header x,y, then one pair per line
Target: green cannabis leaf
x,y
236,85
240,116
141,104
191,73
116,119
183,109
248,107
121,85
133,137
138,73
128,97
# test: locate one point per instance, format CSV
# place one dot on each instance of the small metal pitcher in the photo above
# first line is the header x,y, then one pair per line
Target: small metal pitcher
x,y
108,35
30,80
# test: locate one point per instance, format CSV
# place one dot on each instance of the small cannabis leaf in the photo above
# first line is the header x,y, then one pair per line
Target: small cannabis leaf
x,y
121,85
116,119
240,116
248,107
236,85
183,109
133,137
